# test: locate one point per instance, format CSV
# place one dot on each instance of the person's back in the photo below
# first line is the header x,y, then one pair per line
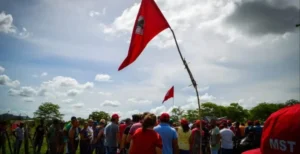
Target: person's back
x,y
110,135
183,138
145,141
167,134
226,138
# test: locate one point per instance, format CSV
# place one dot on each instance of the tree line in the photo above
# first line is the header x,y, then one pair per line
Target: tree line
x,y
234,112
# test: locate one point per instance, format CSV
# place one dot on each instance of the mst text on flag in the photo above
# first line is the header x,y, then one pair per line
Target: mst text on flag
x,y
149,22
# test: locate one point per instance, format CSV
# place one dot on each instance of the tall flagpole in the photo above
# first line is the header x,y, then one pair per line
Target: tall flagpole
x,y
192,79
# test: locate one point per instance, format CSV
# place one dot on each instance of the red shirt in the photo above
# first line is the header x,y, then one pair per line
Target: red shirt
x,y
121,130
193,135
145,142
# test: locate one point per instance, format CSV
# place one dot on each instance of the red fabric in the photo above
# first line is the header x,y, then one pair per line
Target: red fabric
x,y
164,116
281,132
169,94
145,142
193,135
122,128
153,23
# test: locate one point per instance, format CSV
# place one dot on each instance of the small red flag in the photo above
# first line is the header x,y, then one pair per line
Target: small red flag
x,y
169,94
149,22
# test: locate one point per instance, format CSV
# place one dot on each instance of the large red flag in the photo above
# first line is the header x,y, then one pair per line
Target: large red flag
x,y
169,94
149,22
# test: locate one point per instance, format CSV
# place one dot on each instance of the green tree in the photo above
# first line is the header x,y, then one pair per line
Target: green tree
x,y
191,115
98,115
177,113
211,109
81,120
291,102
48,111
235,112
263,110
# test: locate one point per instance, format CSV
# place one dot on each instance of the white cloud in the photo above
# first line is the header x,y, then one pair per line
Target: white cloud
x,y
73,92
78,105
161,109
29,99
67,101
2,69
66,82
102,78
204,98
44,74
105,93
111,103
135,101
23,92
6,23
5,80
202,89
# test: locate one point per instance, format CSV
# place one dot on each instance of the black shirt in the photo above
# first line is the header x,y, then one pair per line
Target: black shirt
x,y
40,131
126,132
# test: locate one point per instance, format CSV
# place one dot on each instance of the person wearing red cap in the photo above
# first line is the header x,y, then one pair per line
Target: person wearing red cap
x,y
168,135
281,133
111,133
184,134
196,138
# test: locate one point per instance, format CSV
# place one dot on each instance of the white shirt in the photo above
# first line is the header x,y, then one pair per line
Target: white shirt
x,y
91,132
226,138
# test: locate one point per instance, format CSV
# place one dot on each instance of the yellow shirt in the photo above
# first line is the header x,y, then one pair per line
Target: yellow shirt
x,y
183,139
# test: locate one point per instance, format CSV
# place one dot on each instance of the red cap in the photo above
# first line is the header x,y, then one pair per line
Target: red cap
x,y
115,116
164,116
197,123
183,121
281,133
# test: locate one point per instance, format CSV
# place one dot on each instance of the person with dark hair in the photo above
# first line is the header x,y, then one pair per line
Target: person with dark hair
x,y
249,128
145,140
124,144
53,136
19,134
184,134
214,137
227,137
84,139
135,126
122,128
66,130
168,135
242,130
100,138
111,133
38,137
258,132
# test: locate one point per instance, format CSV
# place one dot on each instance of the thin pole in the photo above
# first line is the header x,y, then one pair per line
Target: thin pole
x,y
192,79
173,103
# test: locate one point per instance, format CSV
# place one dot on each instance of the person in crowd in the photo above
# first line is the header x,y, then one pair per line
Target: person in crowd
x,y
168,135
135,126
3,136
238,135
111,133
205,137
99,139
229,125
281,132
66,132
227,137
258,132
196,138
145,140
84,139
39,137
214,137
73,140
184,134
242,130
54,137
19,134
249,128
91,132
124,144
123,126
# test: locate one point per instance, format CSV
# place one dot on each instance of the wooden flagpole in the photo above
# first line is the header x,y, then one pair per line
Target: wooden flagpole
x,y
192,79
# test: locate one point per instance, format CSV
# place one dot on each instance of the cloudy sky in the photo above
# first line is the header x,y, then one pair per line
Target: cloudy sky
x,y
68,52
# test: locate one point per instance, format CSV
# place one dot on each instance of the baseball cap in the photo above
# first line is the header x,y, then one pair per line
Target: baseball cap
x,y
164,116
197,122
281,133
115,116
183,121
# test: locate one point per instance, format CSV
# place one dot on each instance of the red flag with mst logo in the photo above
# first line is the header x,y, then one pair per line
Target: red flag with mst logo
x,y
169,94
149,22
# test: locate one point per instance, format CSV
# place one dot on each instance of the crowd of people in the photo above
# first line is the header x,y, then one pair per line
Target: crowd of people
x,y
142,134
